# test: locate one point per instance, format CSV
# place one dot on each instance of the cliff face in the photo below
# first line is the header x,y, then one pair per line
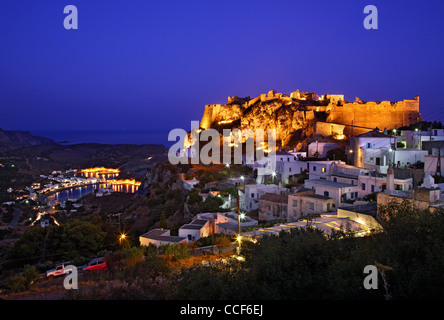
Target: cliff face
x,y
292,118
294,115
162,175
11,140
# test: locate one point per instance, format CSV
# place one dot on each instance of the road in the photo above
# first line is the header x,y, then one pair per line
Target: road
x,y
17,213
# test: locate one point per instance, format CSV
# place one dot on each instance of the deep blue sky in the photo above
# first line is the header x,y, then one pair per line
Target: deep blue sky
x,y
153,65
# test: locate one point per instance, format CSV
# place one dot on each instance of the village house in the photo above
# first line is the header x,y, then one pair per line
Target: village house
x,y
427,196
320,148
253,192
196,229
340,192
160,237
273,207
227,222
306,202
372,150
285,170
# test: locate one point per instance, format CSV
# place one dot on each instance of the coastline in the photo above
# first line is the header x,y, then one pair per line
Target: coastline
x,y
43,198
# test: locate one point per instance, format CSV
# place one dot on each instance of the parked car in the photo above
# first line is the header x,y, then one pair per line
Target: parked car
x,y
59,270
96,264
417,165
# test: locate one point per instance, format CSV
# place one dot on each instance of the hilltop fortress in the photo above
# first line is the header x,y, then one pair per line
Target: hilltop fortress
x,y
299,115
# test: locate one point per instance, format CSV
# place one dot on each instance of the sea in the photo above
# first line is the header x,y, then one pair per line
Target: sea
x,y
68,137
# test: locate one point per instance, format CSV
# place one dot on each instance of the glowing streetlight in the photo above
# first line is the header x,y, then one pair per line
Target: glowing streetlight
x,y
122,237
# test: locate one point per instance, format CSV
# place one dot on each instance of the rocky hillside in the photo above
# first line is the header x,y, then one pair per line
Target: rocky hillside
x,y
292,118
11,140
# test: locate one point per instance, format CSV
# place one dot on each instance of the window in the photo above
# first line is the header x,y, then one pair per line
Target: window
x,y
353,182
373,188
252,195
323,169
314,168
295,203
372,159
369,145
335,179
378,161
356,194
326,193
311,205
289,169
363,186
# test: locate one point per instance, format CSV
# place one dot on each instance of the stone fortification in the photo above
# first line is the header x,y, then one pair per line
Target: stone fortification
x,y
294,115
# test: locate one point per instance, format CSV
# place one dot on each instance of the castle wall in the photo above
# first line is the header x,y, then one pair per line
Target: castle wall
x,y
371,115
210,113
327,129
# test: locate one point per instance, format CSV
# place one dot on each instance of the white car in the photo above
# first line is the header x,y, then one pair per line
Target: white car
x,y
59,270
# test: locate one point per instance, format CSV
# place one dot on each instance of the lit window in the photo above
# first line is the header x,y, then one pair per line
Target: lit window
x,y
323,169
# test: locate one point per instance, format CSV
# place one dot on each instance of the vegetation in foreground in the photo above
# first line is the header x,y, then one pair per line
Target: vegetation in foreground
x,y
301,264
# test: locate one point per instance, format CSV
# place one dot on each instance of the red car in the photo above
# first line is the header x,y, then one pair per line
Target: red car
x,y
96,264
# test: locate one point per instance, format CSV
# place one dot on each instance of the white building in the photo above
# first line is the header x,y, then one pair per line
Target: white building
x,y
286,169
307,202
372,150
320,169
413,139
406,157
160,237
341,192
321,148
253,192
431,165
198,228
227,222
372,181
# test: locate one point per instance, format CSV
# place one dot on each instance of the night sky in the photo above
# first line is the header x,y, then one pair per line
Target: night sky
x,y
153,65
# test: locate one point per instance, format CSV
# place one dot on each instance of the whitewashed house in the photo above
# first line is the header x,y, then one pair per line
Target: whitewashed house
x,y
372,150
160,237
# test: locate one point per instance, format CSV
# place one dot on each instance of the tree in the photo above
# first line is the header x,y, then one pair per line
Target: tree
x,y
222,242
163,222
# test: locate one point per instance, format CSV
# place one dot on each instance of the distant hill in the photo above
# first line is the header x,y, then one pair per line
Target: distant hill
x,y
11,140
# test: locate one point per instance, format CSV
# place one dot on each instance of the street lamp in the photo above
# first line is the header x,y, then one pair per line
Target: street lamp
x,y
122,237
273,174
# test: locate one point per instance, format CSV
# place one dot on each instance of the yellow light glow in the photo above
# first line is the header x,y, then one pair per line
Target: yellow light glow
x,y
100,169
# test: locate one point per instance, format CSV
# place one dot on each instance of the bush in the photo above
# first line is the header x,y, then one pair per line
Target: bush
x,y
175,251
16,283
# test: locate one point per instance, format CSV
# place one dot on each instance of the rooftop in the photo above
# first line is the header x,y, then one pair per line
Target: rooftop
x,y
332,183
278,198
195,224
158,234
373,134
